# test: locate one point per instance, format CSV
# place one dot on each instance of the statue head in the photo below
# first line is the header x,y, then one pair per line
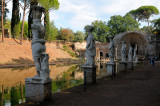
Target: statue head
x,y
89,28
36,12
123,42
111,38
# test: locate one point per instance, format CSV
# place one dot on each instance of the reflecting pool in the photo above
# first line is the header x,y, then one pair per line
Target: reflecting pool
x,y
12,80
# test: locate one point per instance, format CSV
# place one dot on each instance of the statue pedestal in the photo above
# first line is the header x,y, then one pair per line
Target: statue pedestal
x,y
122,66
89,74
38,90
130,65
111,69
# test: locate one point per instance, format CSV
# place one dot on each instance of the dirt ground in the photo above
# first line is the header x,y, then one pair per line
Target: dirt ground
x,y
11,52
140,87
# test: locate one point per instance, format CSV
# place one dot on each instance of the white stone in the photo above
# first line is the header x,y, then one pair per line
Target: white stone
x,y
111,50
111,69
130,53
135,57
39,87
123,52
90,48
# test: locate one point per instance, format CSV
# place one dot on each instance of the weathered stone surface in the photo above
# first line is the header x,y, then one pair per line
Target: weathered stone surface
x,y
130,56
145,41
89,74
130,65
123,52
111,69
111,50
90,47
122,66
38,90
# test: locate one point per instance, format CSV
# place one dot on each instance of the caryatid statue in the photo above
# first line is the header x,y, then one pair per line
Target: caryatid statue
x,y
135,58
38,43
111,50
130,53
90,48
123,51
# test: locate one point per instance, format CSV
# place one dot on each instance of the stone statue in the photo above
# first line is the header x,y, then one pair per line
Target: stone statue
x,y
111,50
123,51
38,43
130,53
135,58
90,48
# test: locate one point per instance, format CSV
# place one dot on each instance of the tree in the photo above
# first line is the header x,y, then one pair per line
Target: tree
x,y
15,18
3,12
143,13
48,5
53,31
156,25
129,23
25,34
6,10
101,30
26,5
79,36
120,24
135,15
66,34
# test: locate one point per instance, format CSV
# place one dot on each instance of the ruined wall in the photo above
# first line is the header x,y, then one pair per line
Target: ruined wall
x,y
145,41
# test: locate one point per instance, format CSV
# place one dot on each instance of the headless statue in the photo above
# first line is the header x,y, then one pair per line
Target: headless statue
x,y
38,43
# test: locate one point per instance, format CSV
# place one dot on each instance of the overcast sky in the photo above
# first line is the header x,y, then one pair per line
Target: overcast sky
x,y
75,14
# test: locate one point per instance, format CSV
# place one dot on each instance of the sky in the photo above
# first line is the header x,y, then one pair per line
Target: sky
x,y
75,14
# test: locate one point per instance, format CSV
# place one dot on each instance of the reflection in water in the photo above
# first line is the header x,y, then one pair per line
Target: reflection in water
x,y
68,79
63,77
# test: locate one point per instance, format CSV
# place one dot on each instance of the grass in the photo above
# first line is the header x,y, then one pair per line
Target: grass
x,y
65,48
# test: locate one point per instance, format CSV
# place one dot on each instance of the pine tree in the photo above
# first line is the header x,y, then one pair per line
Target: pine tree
x,y
15,21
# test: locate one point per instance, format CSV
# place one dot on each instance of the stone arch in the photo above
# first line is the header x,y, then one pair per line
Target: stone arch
x,y
132,38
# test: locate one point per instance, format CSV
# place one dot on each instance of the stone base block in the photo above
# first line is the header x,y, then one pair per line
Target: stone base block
x,y
38,90
122,66
135,63
130,65
111,69
89,74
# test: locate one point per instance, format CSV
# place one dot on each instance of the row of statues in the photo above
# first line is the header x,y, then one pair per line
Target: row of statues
x,y
38,45
131,56
91,49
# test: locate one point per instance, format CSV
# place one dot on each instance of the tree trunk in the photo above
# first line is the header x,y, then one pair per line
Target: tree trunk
x,y
24,12
47,26
3,6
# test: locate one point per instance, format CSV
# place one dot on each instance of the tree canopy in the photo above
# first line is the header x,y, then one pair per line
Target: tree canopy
x,y
79,36
143,13
101,30
49,4
156,25
120,24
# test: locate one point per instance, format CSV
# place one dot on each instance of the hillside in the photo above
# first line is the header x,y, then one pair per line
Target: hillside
x,y
11,52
